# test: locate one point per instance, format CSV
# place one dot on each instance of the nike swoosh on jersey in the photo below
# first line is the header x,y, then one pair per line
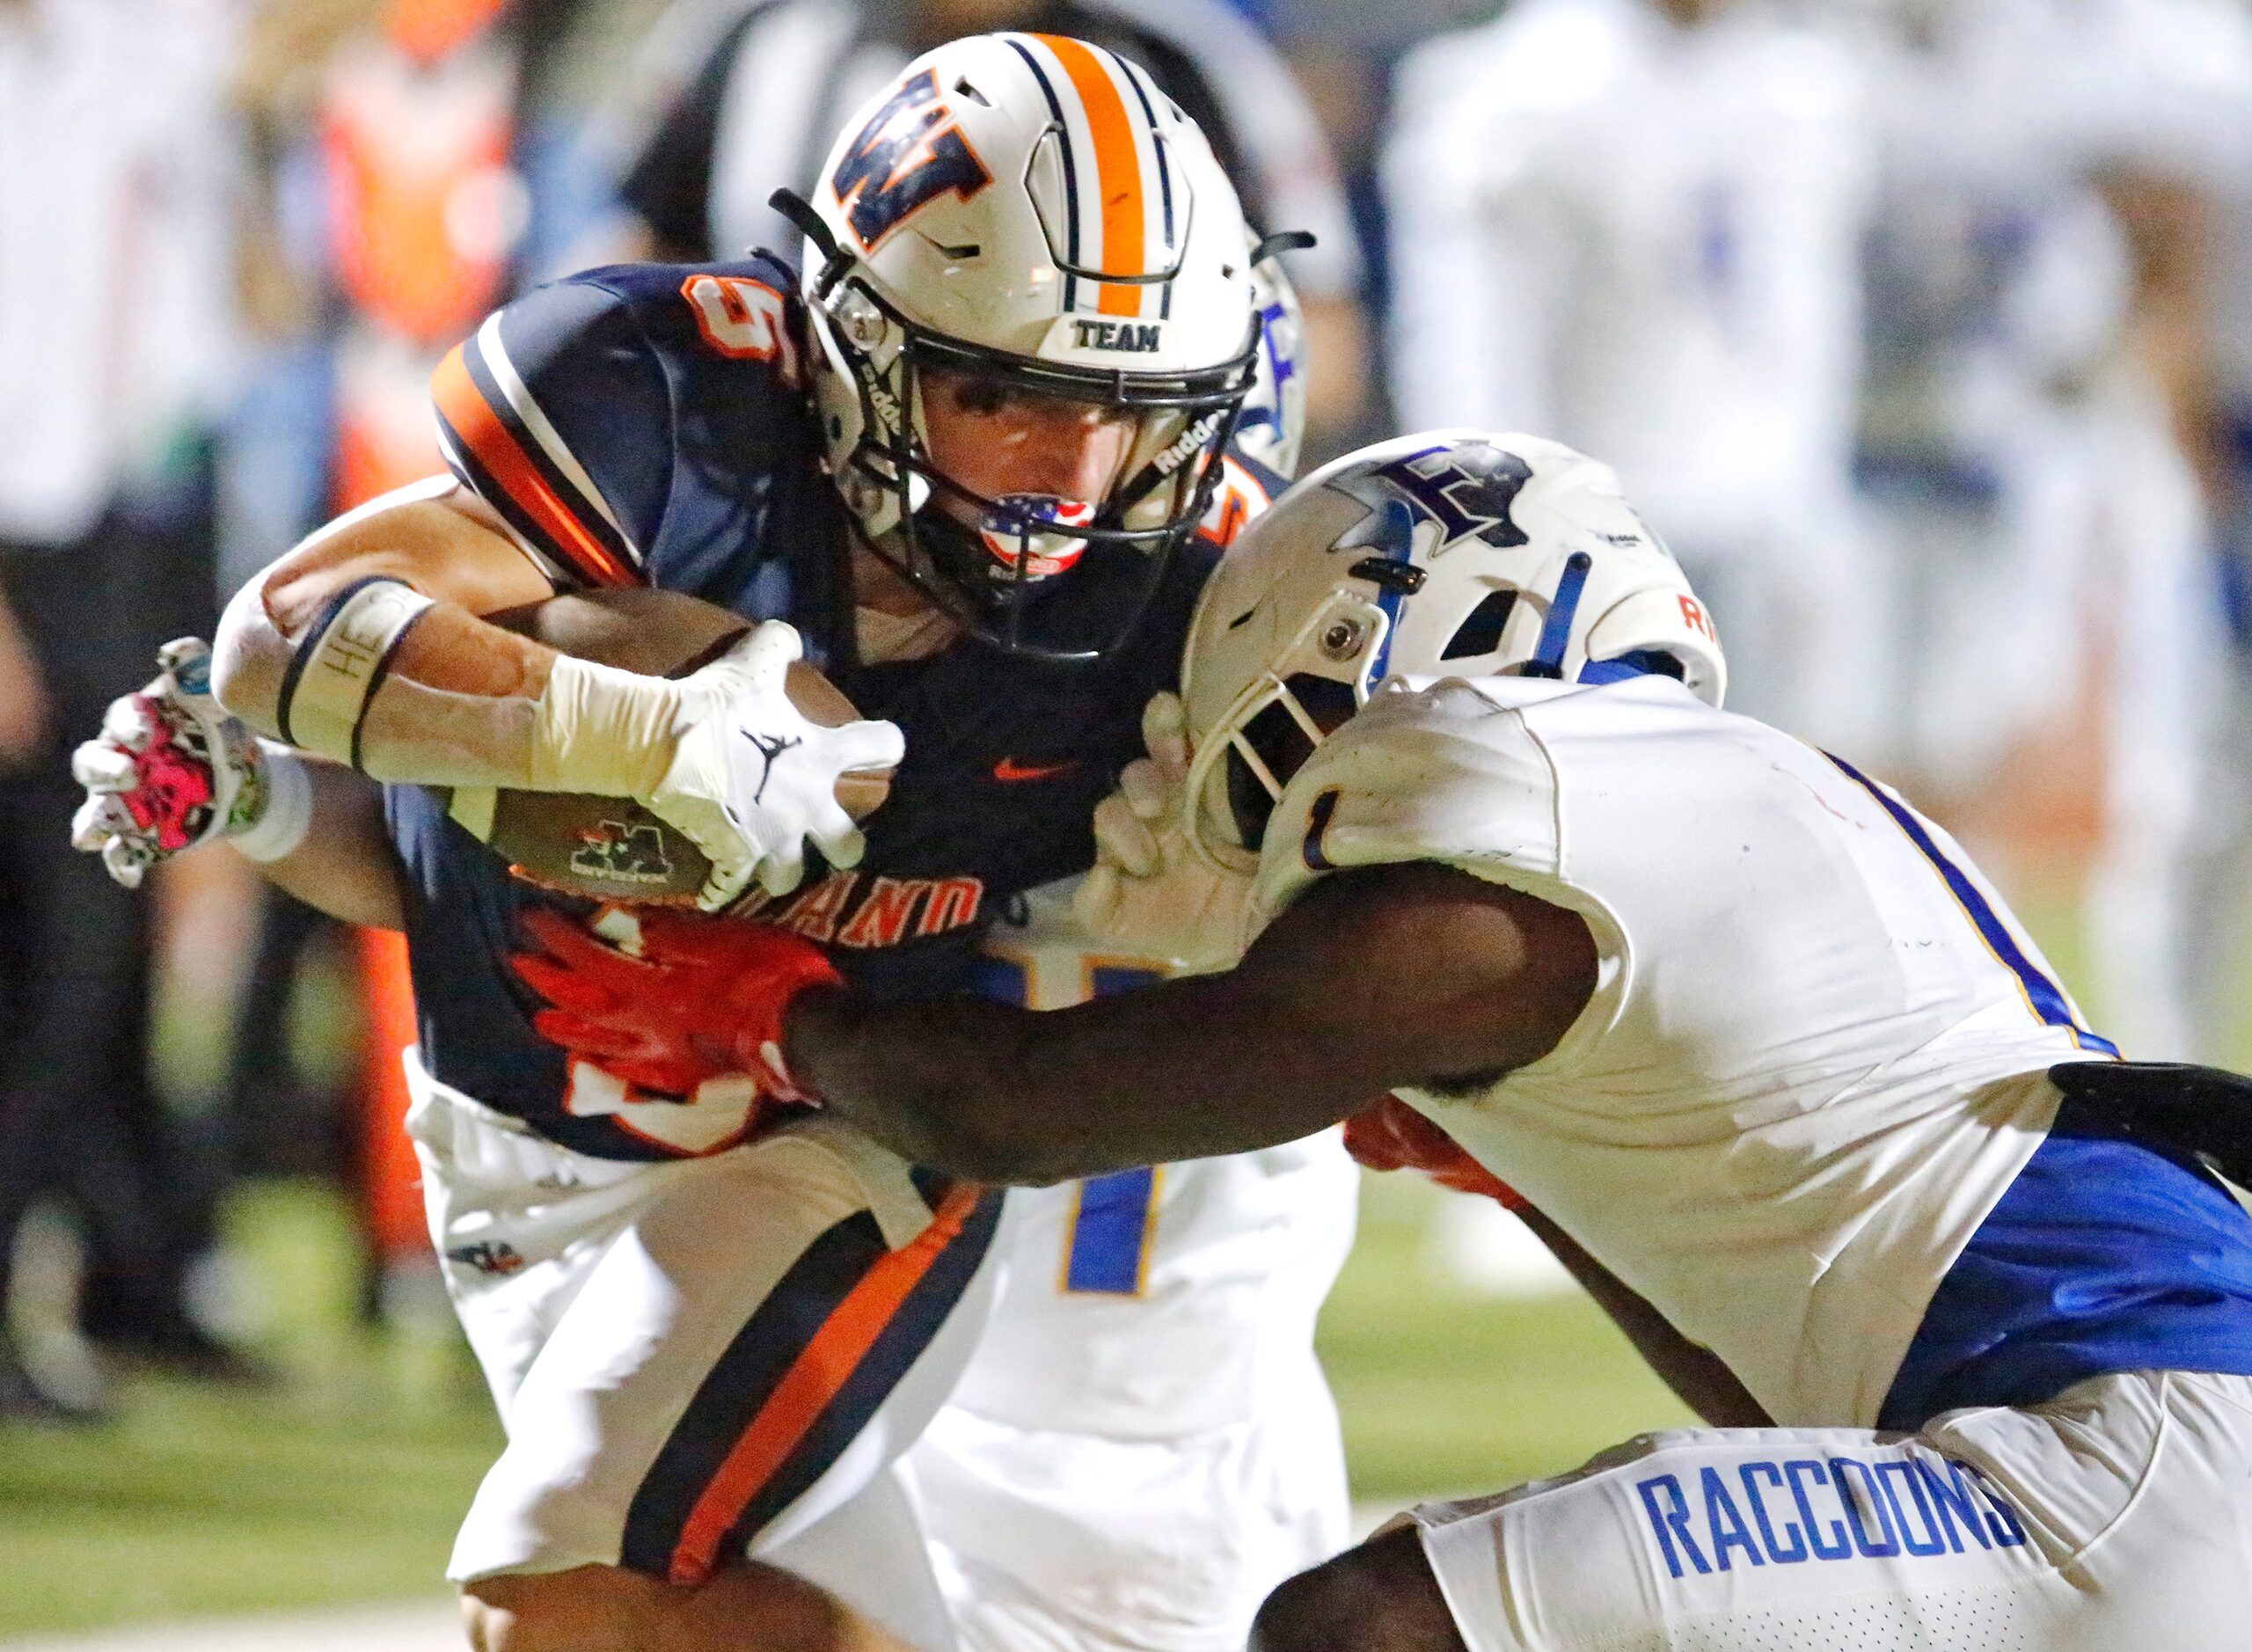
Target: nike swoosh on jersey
x,y
1008,769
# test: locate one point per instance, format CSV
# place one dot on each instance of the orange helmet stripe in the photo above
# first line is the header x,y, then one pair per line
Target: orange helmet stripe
x,y
1118,172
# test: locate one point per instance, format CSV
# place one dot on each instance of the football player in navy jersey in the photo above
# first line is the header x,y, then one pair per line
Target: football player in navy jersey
x,y
974,464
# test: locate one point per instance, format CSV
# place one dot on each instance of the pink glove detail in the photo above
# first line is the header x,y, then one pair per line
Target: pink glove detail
x,y
174,794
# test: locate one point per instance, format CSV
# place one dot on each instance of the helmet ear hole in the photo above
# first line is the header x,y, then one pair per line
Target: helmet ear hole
x,y
1481,632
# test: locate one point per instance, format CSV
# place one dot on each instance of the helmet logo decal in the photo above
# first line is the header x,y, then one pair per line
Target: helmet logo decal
x,y
1467,488
909,153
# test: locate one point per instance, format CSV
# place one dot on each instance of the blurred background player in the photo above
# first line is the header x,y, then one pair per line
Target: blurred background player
x,y
1635,225
754,115
1144,1444
115,164
2039,440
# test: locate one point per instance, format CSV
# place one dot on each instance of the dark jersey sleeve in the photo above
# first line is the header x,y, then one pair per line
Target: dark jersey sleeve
x,y
557,412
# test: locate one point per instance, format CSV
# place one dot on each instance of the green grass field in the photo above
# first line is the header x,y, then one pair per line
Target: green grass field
x,y
345,1481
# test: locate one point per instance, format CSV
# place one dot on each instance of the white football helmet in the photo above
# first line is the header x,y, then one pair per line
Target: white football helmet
x,y
1271,427
1451,553
1030,209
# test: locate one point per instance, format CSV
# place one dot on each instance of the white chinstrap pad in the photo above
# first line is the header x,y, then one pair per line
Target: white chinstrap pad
x,y
339,667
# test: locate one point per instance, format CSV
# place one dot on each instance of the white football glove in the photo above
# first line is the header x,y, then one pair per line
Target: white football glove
x,y
170,769
752,780
1148,892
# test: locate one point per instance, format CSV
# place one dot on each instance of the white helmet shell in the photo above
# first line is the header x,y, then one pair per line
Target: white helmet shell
x,y
1038,201
1454,553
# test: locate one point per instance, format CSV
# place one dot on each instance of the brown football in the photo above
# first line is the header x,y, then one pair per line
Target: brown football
x,y
612,848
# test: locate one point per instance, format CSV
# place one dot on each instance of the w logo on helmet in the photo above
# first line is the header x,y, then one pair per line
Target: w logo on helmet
x,y
907,155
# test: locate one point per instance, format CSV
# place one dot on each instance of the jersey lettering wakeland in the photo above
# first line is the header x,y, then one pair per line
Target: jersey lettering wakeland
x,y
1835,1507
907,155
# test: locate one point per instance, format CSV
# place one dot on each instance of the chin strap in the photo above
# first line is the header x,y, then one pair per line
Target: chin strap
x,y
835,260
1556,636
1633,663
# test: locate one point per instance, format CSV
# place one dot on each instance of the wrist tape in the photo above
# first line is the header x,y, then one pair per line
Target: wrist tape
x,y
337,669
288,815
600,730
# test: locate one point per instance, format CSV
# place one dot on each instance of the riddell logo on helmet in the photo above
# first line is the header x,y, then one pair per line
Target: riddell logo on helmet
x,y
1141,338
1187,445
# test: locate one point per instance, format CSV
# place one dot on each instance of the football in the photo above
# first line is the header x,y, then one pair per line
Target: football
x,y
611,848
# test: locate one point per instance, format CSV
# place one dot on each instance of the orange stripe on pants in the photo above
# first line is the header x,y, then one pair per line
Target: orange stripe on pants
x,y
825,1366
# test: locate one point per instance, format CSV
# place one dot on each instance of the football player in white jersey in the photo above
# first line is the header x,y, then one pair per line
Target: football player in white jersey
x,y
1636,224
1143,1443
1737,1020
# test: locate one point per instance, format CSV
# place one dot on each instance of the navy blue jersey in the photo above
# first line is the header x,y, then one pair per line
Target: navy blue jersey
x,y
650,424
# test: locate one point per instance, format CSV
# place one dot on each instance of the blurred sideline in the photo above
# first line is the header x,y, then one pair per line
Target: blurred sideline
x,y
432,1626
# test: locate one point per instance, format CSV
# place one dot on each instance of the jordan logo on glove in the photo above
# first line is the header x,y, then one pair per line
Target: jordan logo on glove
x,y
770,747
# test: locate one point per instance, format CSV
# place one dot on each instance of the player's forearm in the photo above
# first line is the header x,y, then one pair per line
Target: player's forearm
x,y
366,646
345,867
1181,1069
1379,978
453,702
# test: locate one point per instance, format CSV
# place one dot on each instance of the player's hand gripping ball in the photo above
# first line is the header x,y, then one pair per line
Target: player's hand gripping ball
x,y
170,769
618,850
753,780
1148,892
704,998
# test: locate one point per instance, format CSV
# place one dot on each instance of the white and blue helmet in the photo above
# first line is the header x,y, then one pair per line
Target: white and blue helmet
x,y
1451,553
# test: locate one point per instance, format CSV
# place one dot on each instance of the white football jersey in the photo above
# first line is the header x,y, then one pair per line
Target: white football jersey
x,y
1143,1445
1641,239
1158,1303
1814,1059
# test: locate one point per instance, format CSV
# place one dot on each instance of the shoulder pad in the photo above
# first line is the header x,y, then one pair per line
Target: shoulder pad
x,y
1442,774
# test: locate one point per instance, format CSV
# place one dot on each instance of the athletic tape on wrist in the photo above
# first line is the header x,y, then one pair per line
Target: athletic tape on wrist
x,y
342,661
602,730
282,825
